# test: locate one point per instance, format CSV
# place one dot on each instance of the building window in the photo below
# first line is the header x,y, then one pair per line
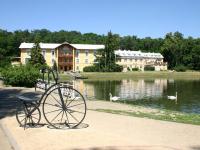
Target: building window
x,y
52,61
95,52
77,53
77,68
52,53
28,52
86,61
77,61
44,53
86,53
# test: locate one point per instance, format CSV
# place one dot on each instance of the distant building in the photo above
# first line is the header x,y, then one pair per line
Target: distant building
x,y
67,56
77,56
137,59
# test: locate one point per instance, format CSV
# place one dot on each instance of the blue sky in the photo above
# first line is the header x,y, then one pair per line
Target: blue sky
x,y
143,18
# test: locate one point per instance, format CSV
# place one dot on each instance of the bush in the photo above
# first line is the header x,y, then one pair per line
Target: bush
x,y
22,76
113,68
135,69
180,68
116,68
149,68
90,69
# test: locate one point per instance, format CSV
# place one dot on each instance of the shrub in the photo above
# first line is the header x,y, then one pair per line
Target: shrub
x,y
129,69
135,69
116,68
20,76
90,69
180,68
149,68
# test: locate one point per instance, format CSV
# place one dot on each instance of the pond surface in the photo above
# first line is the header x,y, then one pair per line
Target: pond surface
x,y
146,92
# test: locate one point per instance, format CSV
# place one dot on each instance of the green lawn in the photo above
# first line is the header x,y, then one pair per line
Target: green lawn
x,y
190,75
165,115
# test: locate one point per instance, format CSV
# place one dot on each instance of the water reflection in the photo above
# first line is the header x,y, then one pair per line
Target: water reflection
x,y
126,89
142,89
153,91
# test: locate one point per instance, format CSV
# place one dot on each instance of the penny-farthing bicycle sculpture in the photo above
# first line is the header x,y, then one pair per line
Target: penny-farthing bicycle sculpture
x,y
61,104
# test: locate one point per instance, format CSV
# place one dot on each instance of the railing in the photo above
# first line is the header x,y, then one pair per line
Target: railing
x,y
65,55
65,63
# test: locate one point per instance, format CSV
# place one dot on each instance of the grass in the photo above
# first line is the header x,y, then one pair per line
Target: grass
x,y
190,75
164,115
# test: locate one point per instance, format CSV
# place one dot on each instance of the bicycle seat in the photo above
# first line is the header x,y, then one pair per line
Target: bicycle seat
x,y
27,99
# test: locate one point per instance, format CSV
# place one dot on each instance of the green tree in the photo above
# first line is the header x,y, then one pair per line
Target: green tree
x,y
172,49
106,57
37,58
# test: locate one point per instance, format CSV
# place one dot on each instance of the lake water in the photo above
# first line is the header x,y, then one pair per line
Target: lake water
x,y
146,92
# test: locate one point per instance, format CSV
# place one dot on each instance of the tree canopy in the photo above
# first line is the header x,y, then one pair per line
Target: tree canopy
x,y
176,49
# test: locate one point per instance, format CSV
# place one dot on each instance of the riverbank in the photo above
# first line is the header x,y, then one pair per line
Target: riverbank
x,y
189,75
146,112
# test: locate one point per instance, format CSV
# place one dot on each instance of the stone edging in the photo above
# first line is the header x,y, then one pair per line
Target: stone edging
x,y
9,136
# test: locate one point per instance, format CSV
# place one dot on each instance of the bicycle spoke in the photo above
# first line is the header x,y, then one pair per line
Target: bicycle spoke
x,y
52,111
52,105
76,111
66,116
75,105
73,116
34,117
62,117
23,119
56,100
71,101
56,116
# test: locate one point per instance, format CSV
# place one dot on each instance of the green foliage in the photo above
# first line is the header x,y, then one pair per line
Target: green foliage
x,y
37,58
149,68
54,67
135,69
4,62
176,49
22,76
113,68
180,68
106,57
129,69
90,69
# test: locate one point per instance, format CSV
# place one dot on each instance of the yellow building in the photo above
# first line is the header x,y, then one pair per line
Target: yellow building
x,y
67,56
137,59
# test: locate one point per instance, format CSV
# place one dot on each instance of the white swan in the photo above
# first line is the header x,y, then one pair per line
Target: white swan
x,y
172,97
113,98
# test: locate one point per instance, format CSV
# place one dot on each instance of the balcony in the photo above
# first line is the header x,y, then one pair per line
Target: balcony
x,y
65,63
65,55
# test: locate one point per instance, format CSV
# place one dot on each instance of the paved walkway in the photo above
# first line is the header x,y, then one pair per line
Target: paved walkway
x,y
109,131
104,131
4,141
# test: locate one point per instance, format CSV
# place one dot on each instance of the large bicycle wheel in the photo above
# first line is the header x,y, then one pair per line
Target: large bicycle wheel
x,y
25,118
64,107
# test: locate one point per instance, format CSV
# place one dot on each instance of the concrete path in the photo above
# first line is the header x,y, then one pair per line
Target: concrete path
x,y
4,141
110,132
104,131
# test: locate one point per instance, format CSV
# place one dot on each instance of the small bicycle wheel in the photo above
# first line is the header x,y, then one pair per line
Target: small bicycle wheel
x,y
24,118
64,107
